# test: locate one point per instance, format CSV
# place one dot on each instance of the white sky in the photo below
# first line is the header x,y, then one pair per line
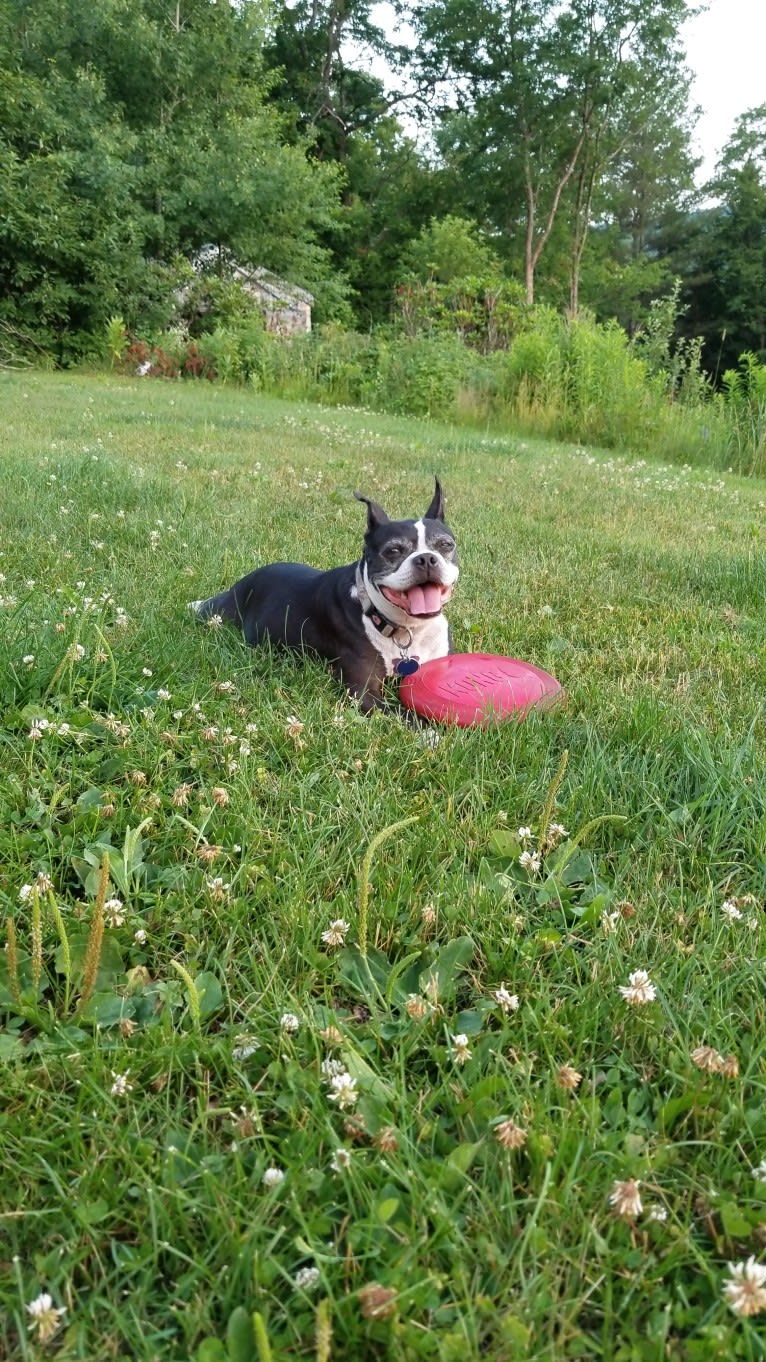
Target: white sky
x,y
726,49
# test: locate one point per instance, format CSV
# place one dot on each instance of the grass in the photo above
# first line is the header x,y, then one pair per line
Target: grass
x,y
227,798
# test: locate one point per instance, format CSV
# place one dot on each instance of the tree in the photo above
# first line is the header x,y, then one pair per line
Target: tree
x,y
534,105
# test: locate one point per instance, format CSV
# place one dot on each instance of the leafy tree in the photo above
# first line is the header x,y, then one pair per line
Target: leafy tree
x,y
533,109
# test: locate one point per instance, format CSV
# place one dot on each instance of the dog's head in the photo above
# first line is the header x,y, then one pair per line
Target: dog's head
x,y
409,567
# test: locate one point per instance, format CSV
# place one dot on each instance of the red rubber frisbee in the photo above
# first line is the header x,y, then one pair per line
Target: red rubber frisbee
x,y
477,688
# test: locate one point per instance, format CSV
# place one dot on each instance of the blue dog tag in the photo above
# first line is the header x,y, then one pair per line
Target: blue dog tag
x,y
406,666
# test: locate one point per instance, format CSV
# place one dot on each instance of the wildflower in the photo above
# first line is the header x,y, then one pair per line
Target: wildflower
x,y
140,937
731,911
215,622
218,889
28,659
428,914
208,853
343,1090
210,733
509,1002
180,796
244,1047
609,922
759,1173
707,1059
293,727
330,1068
377,1302
657,1214
568,1078
387,1140
340,1160
639,989
126,1026
626,1199
75,652
354,1127
120,1087
163,694
555,832
146,671
114,912
531,861
44,1316
460,1051
546,611
25,893
38,729
306,1278
289,1022
62,730
219,796
272,1177
331,1035
509,1135
730,1067
43,882
137,778
416,1007
745,1292
525,834
225,688
336,932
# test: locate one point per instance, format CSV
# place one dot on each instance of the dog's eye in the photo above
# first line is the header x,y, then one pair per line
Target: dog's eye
x,y
445,546
394,551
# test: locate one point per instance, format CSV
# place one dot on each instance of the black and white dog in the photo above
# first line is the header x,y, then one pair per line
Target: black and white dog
x,y
376,618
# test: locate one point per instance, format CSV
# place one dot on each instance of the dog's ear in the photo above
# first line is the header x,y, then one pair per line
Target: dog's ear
x,y
375,513
436,509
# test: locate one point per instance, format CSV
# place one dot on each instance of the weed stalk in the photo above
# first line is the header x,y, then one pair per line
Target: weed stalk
x,y
364,873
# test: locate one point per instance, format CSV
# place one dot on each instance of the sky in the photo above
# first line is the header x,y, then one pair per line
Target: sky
x,y
726,49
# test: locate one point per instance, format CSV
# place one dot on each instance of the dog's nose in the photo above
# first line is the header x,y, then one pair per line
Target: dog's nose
x,y
426,560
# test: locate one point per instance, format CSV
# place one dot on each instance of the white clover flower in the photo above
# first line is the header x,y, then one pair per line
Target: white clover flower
x,y
508,1001
556,831
140,936
639,989
340,1160
244,1047
114,912
336,932
460,1049
330,1068
759,1173
163,694
289,1022
730,910
626,1199
343,1090
306,1278
609,922
531,861
215,622
44,1316
272,1177
745,1292
657,1214
525,834
120,1087
25,893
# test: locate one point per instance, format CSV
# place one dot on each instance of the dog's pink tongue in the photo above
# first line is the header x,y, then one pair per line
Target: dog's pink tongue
x,y
424,600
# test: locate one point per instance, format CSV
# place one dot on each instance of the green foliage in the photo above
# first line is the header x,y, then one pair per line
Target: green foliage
x,y
449,249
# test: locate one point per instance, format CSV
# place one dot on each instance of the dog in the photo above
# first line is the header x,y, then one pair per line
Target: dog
x,y
373,619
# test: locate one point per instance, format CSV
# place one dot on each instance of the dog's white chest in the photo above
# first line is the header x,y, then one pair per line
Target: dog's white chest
x,y
430,639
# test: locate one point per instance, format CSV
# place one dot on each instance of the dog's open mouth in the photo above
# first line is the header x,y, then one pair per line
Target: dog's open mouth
x,y
425,599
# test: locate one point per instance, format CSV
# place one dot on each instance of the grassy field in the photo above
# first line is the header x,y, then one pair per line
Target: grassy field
x,y
232,1129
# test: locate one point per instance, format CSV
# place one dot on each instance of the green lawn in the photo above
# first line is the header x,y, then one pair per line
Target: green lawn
x,y
445,1199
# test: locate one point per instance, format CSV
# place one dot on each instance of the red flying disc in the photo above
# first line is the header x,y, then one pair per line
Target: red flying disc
x,y
477,688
